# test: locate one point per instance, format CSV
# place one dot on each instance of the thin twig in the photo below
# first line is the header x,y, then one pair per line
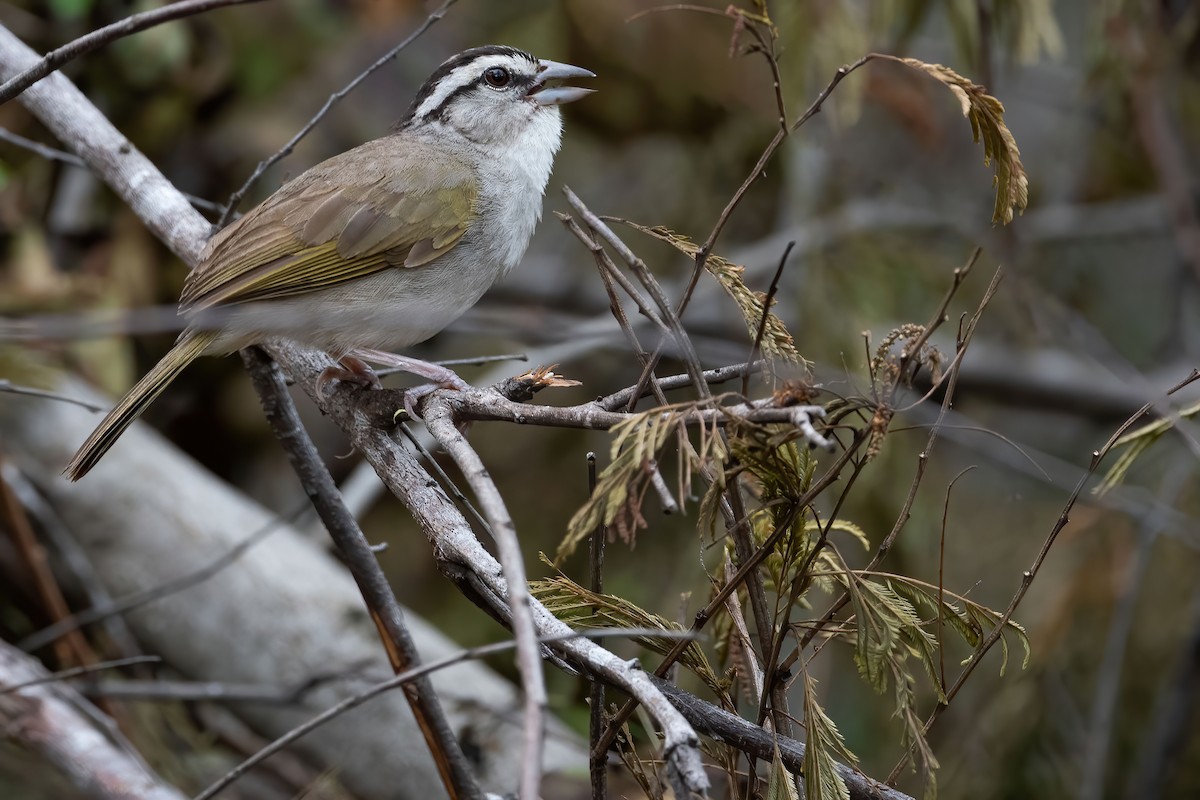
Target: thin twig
x,y
913,349
236,198
597,761
941,583
75,672
45,151
11,388
356,551
762,322
403,679
102,36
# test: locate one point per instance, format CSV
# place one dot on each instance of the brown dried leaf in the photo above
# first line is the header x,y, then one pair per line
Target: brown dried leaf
x,y
986,115
777,342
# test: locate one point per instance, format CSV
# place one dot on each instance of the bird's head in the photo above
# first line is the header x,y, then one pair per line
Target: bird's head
x,y
497,96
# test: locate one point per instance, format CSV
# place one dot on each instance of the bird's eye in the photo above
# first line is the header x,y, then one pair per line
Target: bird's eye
x,y
497,77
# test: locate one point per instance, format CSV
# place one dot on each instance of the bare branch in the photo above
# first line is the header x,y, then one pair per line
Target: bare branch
x,y
50,721
9,387
381,602
749,738
439,418
488,405
75,672
102,36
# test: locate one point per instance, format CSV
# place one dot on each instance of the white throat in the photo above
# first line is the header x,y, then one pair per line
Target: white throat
x,y
513,171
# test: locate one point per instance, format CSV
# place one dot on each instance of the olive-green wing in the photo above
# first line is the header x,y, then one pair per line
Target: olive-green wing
x,y
372,208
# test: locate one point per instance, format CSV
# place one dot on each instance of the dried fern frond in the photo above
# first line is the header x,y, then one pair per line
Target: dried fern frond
x,y
1137,442
580,607
777,342
623,483
887,631
986,115
971,620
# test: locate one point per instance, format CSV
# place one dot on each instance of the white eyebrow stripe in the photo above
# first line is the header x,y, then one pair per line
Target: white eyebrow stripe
x,y
459,77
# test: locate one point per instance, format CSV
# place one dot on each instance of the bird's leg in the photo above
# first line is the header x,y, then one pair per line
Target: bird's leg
x,y
440,377
350,368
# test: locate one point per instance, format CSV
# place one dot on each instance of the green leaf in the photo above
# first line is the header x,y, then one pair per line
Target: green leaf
x,y
821,778
1137,442
781,786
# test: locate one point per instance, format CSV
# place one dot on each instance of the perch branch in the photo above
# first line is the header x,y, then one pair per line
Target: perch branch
x,y
440,422
356,552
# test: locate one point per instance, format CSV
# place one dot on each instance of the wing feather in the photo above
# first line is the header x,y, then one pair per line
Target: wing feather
x,y
372,208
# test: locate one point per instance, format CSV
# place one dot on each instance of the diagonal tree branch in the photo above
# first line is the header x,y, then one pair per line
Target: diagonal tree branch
x,y
102,36
356,552
48,719
440,421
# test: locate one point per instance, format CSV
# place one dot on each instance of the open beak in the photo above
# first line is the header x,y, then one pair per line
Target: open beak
x,y
557,95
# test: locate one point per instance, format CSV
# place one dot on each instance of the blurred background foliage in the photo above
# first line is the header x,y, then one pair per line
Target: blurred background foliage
x,y
884,193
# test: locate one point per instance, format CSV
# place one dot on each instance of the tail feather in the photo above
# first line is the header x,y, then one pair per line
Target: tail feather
x,y
131,406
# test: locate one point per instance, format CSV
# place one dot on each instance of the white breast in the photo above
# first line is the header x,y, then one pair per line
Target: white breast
x,y
513,179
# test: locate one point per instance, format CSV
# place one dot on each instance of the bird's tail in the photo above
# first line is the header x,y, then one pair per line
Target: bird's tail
x,y
185,351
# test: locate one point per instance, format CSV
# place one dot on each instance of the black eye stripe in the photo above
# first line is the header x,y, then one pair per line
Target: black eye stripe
x,y
454,63
521,82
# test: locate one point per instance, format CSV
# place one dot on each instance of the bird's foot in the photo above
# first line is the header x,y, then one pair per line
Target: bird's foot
x,y
439,377
350,369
